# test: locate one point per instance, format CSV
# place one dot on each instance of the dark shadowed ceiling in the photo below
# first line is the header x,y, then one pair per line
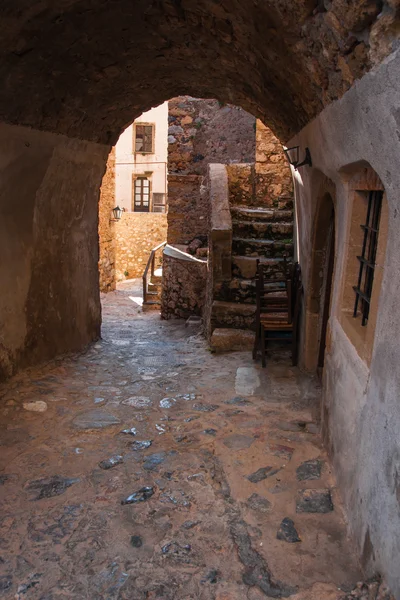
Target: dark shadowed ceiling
x,y
87,68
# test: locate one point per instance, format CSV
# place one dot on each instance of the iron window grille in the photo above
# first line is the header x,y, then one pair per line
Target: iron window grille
x,y
144,135
363,289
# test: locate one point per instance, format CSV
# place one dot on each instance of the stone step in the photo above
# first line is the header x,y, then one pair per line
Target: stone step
x,y
256,247
228,339
231,314
284,203
238,290
154,295
245,266
156,279
262,230
154,287
244,213
151,305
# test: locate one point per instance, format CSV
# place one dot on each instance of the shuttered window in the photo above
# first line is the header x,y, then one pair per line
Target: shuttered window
x,y
143,141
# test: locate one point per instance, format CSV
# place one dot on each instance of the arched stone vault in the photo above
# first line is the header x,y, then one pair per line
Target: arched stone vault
x,y
87,68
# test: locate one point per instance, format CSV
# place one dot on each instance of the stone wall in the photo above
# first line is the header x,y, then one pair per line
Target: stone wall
x,y
201,132
264,182
49,281
273,178
107,227
183,285
136,234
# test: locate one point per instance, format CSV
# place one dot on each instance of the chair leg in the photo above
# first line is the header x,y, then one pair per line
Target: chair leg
x,y
263,361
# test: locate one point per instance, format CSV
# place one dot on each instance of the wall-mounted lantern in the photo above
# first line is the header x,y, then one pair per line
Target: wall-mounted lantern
x,y
292,154
117,213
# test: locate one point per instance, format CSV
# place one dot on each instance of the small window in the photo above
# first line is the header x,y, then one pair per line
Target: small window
x,y
143,142
141,201
367,258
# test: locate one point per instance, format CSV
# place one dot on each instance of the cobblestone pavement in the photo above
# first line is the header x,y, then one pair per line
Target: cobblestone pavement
x,y
147,467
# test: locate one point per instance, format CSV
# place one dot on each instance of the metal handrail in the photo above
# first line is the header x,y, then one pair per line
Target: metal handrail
x,y
150,262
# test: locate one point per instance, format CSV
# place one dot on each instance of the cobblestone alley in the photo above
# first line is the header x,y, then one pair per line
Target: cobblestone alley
x,y
148,468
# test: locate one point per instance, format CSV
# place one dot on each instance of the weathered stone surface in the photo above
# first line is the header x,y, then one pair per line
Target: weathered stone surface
x,y
95,419
256,571
37,406
311,469
183,287
224,340
258,503
49,487
314,501
137,401
262,473
136,234
140,444
205,407
210,577
210,431
152,461
238,401
287,531
238,442
111,462
136,541
178,552
140,496
280,450
204,132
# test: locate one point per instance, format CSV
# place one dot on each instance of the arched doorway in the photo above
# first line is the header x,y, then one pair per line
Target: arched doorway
x,y
319,298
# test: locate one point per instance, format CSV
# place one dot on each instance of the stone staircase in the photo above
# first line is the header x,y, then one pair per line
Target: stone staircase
x,y
153,295
257,232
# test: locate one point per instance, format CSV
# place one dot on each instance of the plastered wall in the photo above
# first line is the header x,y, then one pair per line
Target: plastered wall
x,y
361,407
49,290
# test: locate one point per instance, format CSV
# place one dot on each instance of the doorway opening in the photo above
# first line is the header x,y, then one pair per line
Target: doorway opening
x,y
318,304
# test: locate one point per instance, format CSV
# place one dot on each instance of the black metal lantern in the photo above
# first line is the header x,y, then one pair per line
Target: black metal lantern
x,y
117,212
292,154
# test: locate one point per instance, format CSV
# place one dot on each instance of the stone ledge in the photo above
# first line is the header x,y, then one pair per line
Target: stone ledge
x,y
228,340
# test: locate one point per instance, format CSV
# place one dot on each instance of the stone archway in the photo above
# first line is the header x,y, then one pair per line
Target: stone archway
x,y
87,69
318,299
76,74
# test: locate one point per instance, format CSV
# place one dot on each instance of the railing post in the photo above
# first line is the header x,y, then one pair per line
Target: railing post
x,y
144,279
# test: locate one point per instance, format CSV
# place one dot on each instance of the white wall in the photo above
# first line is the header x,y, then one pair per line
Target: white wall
x,y
128,163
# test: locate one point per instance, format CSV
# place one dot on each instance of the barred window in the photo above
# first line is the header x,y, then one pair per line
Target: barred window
x,y
363,289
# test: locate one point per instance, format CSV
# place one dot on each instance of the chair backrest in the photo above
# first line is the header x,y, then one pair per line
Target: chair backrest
x,y
272,296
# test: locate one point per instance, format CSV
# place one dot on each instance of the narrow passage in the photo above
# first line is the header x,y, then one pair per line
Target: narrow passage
x,y
148,467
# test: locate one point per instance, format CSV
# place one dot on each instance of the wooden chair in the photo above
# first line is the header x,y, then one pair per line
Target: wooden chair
x,y
277,310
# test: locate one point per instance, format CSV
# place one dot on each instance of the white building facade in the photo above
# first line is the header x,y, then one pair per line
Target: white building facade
x,y
141,155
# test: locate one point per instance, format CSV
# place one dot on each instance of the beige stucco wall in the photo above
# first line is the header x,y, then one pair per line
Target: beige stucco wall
x,y
128,163
361,408
49,288
136,234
